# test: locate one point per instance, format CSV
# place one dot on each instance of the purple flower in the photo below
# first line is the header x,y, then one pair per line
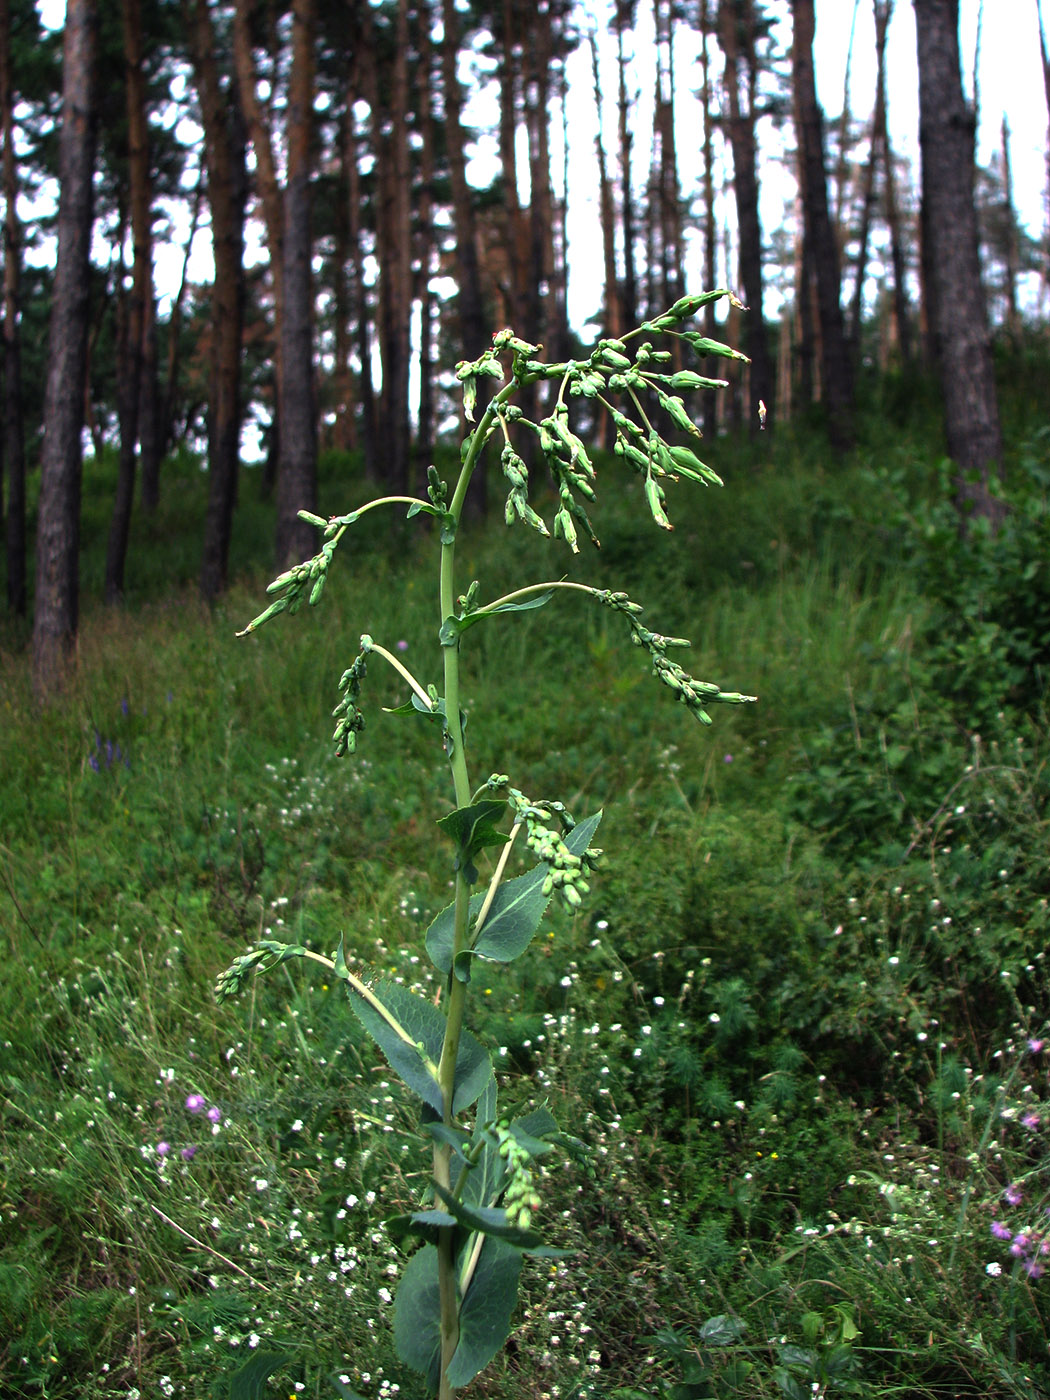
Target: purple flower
x,y
1033,1269
1019,1247
195,1102
1001,1231
214,1114
402,645
1035,1046
188,1153
124,707
163,1148
1031,1120
728,758
1014,1195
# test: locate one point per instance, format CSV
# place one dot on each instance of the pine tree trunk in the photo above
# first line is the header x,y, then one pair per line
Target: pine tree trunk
x,y
836,365
1045,56
227,195
624,105
959,320
296,393
57,602
12,446
736,28
1013,314
129,388
882,150
709,224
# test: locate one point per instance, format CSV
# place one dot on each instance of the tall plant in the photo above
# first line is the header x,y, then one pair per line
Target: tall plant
x,y
458,1290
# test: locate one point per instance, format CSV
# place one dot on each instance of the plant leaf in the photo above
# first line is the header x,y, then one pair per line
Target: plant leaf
x,y
415,1051
472,829
487,1310
513,917
488,1220
417,1315
248,1382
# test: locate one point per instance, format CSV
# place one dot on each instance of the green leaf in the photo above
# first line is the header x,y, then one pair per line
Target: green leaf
x,y
481,613
417,1315
513,917
721,1331
424,1223
486,1313
249,1381
413,1047
472,829
343,1390
488,1220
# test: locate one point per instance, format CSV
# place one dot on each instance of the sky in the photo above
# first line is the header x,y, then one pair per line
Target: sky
x,y
1009,77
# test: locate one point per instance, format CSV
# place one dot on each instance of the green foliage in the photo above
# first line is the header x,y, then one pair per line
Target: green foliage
x,y
844,1134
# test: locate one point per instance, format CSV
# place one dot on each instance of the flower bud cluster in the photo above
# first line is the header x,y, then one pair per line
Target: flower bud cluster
x,y
566,872
349,719
695,695
304,581
520,1199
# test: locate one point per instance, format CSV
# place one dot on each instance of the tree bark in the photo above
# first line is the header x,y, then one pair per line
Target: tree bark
x,y
736,30
959,323
622,20
708,182
224,137
1044,54
57,602
131,360
12,444
296,391
836,364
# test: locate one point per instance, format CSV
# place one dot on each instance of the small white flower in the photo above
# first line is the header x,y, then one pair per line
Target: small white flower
x,y
261,1184
994,1269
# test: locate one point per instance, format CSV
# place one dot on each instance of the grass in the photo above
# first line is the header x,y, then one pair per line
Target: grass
x,y
792,1030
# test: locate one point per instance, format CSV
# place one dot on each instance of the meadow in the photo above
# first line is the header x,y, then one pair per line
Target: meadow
x,y
798,1035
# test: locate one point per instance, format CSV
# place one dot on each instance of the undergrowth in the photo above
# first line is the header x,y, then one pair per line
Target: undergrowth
x,y
803,1023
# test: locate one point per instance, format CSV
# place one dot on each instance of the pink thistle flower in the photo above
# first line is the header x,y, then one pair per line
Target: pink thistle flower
x,y
1014,1195
195,1102
163,1148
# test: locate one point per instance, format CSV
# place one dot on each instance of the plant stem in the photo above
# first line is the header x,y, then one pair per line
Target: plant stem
x,y
448,1291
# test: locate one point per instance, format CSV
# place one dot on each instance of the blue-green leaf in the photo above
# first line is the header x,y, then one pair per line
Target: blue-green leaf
x,y
513,917
417,1315
416,1057
486,1313
248,1382
488,1220
472,829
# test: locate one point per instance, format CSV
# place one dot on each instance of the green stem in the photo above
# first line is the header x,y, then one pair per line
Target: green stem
x,y
448,1290
403,672
530,591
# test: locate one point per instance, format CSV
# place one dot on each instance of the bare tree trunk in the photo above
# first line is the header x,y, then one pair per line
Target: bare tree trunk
x,y
474,333
358,290
12,444
881,150
707,99
268,188
1045,56
224,137
836,366
166,412
394,251
296,393
1013,314
736,30
960,323
424,443
624,106
129,389
57,603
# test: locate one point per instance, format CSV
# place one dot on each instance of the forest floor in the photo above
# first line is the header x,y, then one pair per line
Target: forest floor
x,y
798,1035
